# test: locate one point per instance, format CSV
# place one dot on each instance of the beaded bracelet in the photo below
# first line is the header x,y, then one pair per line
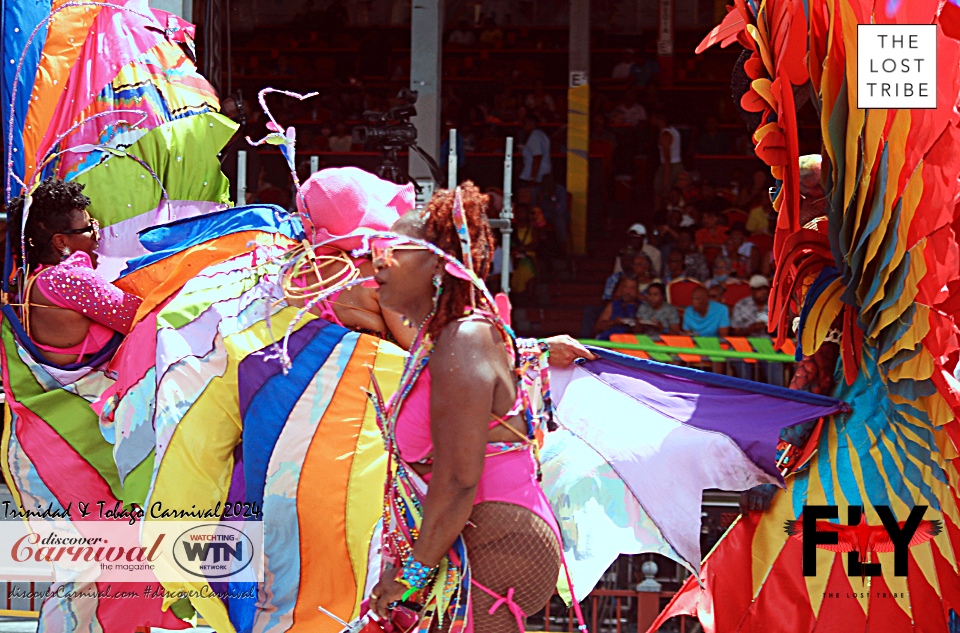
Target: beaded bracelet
x,y
414,575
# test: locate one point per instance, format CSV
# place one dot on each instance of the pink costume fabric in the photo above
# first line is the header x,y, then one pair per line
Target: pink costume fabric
x,y
344,203
509,475
73,284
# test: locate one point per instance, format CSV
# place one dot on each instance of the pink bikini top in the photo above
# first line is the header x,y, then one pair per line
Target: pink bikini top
x,y
74,285
509,476
413,425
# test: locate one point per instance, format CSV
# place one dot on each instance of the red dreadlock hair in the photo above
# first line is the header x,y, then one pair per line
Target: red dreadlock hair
x,y
439,230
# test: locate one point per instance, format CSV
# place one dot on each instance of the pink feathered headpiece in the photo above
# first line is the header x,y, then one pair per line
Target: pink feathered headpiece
x,y
345,203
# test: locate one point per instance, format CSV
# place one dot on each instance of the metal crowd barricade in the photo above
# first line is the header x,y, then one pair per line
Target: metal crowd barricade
x,y
705,352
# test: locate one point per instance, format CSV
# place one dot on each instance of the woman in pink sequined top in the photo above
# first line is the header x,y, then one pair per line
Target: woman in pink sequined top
x,y
69,311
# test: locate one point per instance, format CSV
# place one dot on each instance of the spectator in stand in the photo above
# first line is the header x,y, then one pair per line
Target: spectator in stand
x,y
625,265
716,291
506,106
620,315
643,272
666,232
600,132
321,142
694,264
451,105
524,247
758,218
629,111
491,36
759,186
655,315
690,217
711,238
675,269
688,188
342,141
750,319
711,141
644,70
637,242
536,152
705,317
540,102
675,199
462,36
721,271
622,69
744,255
671,161
637,235
750,313
551,198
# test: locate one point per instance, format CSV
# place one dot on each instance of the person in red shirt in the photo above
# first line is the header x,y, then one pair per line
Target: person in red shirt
x,y
711,238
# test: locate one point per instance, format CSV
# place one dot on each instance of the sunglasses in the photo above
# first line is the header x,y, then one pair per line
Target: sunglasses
x,y
383,248
93,227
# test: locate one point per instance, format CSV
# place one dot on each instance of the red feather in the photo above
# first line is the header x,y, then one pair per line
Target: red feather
x,y
725,32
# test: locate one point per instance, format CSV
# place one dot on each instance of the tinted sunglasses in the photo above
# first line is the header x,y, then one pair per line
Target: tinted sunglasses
x,y
93,227
383,248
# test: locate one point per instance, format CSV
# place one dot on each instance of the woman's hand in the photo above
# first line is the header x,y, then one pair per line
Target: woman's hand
x,y
384,593
564,349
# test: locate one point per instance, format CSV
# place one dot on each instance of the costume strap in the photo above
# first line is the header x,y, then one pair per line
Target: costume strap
x,y
581,623
463,232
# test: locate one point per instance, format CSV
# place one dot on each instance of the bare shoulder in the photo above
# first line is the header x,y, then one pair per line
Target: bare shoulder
x,y
467,341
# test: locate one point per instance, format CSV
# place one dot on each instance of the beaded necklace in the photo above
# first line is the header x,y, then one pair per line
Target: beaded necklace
x,y
449,593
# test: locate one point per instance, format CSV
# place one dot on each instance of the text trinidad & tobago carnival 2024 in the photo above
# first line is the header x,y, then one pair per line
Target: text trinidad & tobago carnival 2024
x,y
104,510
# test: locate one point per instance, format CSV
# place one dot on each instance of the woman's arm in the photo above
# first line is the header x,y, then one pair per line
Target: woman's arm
x,y
463,378
463,375
82,290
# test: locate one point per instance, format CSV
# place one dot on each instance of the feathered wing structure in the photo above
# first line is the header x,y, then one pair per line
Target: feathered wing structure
x,y
881,268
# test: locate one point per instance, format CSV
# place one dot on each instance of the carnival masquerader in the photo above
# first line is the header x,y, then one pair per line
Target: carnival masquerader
x,y
78,311
457,425
339,206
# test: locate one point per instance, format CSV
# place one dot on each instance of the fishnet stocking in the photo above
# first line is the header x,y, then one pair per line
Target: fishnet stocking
x,y
510,546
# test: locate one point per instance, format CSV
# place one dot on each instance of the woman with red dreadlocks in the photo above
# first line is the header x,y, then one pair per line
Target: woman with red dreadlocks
x,y
483,547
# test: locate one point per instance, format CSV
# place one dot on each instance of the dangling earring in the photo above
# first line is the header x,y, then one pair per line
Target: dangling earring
x,y
65,253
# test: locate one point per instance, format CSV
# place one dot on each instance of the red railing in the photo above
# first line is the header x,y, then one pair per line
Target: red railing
x,y
605,618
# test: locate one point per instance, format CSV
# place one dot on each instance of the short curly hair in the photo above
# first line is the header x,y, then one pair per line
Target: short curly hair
x,y
439,230
50,213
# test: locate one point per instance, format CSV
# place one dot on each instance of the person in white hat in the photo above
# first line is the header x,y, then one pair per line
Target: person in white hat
x,y
750,319
637,242
750,313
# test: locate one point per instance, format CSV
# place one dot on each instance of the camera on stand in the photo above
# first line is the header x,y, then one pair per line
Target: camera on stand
x,y
390,132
